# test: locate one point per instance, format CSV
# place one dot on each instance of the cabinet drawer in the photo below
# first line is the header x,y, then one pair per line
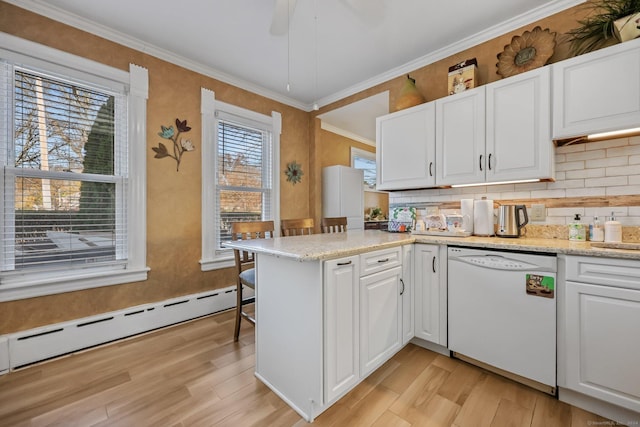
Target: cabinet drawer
x,y
372,262
622,273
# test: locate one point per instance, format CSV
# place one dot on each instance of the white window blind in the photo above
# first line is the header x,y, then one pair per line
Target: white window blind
x,y
65,172
244,182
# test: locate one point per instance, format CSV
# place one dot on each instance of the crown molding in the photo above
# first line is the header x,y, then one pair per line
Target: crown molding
x,y
342,132
512,24
42,8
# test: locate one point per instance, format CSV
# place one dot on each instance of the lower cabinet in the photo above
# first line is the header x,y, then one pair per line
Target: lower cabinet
x,y
407,293
430,293
380,318
341,313
601,338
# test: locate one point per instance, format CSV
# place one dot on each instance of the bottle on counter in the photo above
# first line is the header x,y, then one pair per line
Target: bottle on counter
x,y
596,232
612,230
577,230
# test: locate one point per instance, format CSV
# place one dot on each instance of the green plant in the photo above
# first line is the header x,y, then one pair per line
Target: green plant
x,y
597,28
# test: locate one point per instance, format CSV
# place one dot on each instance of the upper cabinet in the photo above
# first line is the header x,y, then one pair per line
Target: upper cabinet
x,y
405,148
460,138
519,127
497,132
597,92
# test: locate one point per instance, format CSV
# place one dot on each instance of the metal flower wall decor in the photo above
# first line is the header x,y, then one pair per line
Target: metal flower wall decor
x,y
180,145
294,172
530,50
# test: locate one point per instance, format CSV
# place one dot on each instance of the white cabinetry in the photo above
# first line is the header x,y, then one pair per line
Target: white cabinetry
x,y
430,293
519,128
601,340
405,148
597,92
380,311
460,136
341,313
408,331
498,132
4,355
343,195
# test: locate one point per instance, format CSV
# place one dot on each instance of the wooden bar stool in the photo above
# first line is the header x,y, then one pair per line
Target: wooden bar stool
x,y
296,227
245,263
334,225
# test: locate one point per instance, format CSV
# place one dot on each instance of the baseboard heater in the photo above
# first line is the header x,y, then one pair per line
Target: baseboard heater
x,y
35,345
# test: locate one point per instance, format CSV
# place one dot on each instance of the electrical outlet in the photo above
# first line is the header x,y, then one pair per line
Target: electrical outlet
x,y
538,212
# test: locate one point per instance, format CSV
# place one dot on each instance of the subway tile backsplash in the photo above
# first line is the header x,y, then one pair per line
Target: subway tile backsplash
x,y
594,169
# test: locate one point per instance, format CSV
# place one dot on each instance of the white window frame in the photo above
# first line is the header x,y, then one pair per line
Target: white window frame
x,y
358,152
16,285
212,257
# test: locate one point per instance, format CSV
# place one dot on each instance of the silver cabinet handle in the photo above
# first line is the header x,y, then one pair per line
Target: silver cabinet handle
x,y
402,291
344,263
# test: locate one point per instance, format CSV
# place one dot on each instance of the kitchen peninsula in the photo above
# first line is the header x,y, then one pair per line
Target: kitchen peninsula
x,y
330,306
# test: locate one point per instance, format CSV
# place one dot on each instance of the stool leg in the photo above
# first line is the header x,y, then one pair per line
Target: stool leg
x,y
238,310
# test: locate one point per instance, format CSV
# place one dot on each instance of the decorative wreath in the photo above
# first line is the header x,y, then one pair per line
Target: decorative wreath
x,y
294,172
526,52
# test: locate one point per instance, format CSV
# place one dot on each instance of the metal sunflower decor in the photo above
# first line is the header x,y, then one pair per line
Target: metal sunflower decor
x,y
526,52
294,172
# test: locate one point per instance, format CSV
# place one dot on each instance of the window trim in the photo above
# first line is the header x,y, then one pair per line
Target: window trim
x,y
23,284
213,259
358,152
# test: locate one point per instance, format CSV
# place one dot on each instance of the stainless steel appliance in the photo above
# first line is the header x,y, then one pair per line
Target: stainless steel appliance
x,y
511,220
502,313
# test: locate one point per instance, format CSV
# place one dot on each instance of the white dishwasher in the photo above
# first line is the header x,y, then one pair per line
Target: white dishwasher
x,y
502,313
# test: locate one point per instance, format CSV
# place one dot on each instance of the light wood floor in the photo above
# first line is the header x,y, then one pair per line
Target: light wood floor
x,y
195,375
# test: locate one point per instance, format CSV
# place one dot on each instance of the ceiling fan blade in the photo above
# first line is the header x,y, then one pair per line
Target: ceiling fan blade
x,y
282,13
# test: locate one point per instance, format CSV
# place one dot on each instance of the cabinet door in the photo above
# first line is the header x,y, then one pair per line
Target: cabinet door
x,y
430,293
518,123
460,127
407,293
341,324
602,343
597,92
380,318
405,148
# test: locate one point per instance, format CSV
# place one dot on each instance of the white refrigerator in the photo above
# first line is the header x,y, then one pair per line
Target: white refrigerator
x,y
343,195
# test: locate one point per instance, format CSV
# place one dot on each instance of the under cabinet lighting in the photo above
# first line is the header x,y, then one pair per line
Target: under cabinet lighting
x,y
495,183
613,134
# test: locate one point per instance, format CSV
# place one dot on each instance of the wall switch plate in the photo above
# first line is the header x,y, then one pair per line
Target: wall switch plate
x,y
538,212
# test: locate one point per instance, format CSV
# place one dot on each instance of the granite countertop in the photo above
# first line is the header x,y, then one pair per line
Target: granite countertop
x,y
327,246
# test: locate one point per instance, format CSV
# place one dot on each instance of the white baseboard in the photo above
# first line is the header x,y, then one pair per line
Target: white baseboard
x,y
35,345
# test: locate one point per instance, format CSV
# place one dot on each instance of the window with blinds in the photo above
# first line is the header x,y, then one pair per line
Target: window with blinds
x,y
244,177
64,173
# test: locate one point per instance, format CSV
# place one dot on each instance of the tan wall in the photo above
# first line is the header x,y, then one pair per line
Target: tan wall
x,y
173,201
431,80
173,198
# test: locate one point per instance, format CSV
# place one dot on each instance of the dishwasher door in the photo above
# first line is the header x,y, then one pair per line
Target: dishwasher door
x,y
502,311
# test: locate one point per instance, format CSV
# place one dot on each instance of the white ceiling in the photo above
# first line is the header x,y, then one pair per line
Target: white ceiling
x,y
359,43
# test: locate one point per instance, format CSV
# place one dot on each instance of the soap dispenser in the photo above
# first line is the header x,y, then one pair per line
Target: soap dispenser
x,y
596,232
577,231
612,230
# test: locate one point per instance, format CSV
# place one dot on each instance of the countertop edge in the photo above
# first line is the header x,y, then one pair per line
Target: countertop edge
x,y
323,247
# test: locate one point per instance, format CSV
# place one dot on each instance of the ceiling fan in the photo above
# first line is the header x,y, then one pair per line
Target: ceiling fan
x,y
371,12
